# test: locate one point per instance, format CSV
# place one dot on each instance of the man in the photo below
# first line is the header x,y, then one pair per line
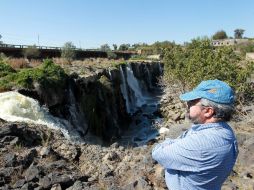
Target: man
x,y
203,156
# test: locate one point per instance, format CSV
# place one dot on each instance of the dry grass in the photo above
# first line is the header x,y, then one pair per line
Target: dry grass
x,y
61,61
35,62
18,63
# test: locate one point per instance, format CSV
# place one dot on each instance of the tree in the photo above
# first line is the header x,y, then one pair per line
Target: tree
x,y
239,33
68,51
199,61
0,39
31,52
115,47
137,46
105,47
155,48
124,47
111,55
219,35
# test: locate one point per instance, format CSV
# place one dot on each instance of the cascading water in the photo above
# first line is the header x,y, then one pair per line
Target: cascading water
x,y
72,107
17,107
134,85
160,68
110,75
76,119
131,90
124,90
141,129
149,76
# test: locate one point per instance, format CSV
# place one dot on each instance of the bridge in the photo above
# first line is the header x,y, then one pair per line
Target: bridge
x,y
17,51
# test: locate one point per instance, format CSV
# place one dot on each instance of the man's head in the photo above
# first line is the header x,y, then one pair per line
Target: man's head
x,y
210,101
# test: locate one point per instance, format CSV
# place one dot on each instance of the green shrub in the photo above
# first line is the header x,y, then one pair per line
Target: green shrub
x,y
5,69
111,55
199,61
49,75
118,64
138,57
68,51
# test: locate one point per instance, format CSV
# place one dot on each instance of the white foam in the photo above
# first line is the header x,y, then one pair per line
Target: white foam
x,y
20,108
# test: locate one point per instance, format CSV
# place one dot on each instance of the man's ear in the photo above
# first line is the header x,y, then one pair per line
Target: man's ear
x,y
209,112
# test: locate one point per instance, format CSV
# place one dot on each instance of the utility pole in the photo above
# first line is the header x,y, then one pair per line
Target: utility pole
x,y
38,38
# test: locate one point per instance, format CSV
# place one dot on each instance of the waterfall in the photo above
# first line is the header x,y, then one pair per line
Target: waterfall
x,y
131,90
110,75
124,90
134,85
143,97
160,68
76,119
20,108
149,76
72,106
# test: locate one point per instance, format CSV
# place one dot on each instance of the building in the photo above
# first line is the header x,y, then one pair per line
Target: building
x,y
228,42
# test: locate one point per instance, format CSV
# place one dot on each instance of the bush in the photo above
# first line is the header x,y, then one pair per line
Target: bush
x,y
219,35
5,69
48,75
68,51
118,64
111,55
199,61
156,48
138,57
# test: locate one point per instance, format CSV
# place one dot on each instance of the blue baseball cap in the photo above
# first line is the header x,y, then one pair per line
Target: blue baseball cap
x,y
214,90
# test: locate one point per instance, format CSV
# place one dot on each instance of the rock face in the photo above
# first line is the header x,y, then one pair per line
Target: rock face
x,y
91,99
172,108
243,172
49,161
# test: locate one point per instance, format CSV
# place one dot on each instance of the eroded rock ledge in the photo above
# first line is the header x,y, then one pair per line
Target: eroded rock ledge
x,y
34,157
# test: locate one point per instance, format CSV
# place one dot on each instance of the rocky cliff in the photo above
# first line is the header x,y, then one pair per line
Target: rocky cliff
x,y
98,101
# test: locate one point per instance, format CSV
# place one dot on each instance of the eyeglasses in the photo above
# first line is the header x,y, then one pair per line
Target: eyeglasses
x,y
196,103
193,103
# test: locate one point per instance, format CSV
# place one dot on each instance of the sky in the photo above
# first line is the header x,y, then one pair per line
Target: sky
x,y
92,23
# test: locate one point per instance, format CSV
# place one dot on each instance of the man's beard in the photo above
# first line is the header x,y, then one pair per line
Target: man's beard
x,y
194,120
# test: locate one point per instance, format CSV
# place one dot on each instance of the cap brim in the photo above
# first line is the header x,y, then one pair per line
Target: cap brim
x,y
193,95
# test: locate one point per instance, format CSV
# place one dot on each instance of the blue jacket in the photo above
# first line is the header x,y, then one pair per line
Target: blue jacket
x,y
200,159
